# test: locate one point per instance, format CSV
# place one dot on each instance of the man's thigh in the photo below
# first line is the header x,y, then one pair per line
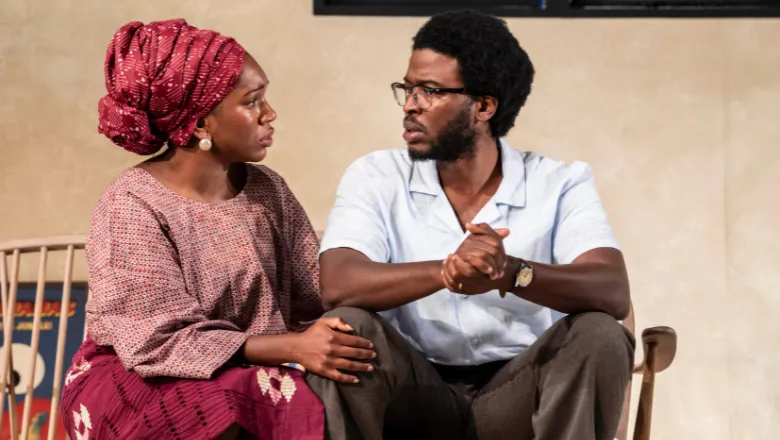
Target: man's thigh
x,y
504,407
404,397
570,359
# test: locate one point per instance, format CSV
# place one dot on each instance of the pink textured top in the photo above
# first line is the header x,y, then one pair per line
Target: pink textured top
x,y
179,285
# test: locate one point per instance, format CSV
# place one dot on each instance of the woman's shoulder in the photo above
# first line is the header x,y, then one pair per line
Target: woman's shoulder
x,y
268,188
263,179
131,186
263,172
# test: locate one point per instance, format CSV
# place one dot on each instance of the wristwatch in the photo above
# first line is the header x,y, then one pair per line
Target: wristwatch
x,y
523,277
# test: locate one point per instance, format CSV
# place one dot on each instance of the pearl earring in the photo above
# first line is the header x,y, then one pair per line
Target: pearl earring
x,y
204,144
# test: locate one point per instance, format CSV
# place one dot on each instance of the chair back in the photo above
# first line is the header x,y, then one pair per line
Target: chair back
x,y
9,287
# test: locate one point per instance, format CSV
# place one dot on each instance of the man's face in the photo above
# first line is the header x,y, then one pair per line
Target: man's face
x,y
444,129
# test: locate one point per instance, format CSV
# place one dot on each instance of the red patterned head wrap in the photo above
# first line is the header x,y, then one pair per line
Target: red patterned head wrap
x,y
161,78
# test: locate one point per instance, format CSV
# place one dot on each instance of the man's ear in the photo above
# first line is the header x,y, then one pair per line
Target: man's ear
x,y
486,108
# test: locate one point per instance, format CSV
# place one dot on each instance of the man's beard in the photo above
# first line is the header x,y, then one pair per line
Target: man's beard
x,y
455,141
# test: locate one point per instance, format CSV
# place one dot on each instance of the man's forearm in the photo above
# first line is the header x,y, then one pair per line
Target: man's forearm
x,y
576,288
349,278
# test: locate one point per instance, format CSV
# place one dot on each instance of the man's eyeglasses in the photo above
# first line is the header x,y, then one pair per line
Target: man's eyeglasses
x,y
422,95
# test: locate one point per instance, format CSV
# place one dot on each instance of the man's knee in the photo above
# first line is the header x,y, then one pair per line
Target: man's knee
x,y
601,334
361,320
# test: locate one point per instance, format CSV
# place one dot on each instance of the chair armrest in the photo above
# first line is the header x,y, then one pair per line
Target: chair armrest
x,y
663,342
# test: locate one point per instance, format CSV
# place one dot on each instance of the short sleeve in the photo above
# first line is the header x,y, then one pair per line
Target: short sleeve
x,y
581,222
357,218
140,305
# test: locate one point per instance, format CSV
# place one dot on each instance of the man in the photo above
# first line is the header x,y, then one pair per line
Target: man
x,y
488,280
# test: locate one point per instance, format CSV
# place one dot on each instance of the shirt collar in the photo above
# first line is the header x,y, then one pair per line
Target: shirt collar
x,y
511,191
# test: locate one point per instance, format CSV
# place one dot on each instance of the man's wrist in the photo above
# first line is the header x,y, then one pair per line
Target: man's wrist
x,y
510,274
437,279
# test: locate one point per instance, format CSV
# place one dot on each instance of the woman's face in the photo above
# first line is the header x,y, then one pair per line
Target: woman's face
x,y
240,126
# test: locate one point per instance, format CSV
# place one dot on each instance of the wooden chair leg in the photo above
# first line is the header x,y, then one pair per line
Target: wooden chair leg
x,y
644,414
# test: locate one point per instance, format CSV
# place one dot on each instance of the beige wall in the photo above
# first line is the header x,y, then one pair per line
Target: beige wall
x,y
678,117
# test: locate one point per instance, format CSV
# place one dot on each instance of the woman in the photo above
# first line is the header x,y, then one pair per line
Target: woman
x,y
203,268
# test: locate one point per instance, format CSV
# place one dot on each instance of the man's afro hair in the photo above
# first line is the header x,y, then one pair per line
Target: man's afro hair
x,y
491,61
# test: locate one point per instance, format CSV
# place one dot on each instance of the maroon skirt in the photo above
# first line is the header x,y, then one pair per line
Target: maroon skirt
x,y
102,400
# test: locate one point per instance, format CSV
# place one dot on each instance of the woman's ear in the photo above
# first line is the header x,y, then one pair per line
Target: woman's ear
x,y
201,129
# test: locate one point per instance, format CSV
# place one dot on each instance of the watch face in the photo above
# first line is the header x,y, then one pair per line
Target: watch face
x,y
525,276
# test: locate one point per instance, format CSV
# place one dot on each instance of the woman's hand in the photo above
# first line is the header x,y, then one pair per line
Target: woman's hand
x,y
325,348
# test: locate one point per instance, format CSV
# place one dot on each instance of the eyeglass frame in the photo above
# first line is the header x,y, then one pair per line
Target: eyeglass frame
x,y
429,90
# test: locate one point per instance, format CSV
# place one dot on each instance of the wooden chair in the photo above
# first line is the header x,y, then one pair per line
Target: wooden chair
x,y
660,346
9,284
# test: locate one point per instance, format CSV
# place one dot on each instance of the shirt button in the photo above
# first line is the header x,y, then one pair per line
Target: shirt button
x,y
475,341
